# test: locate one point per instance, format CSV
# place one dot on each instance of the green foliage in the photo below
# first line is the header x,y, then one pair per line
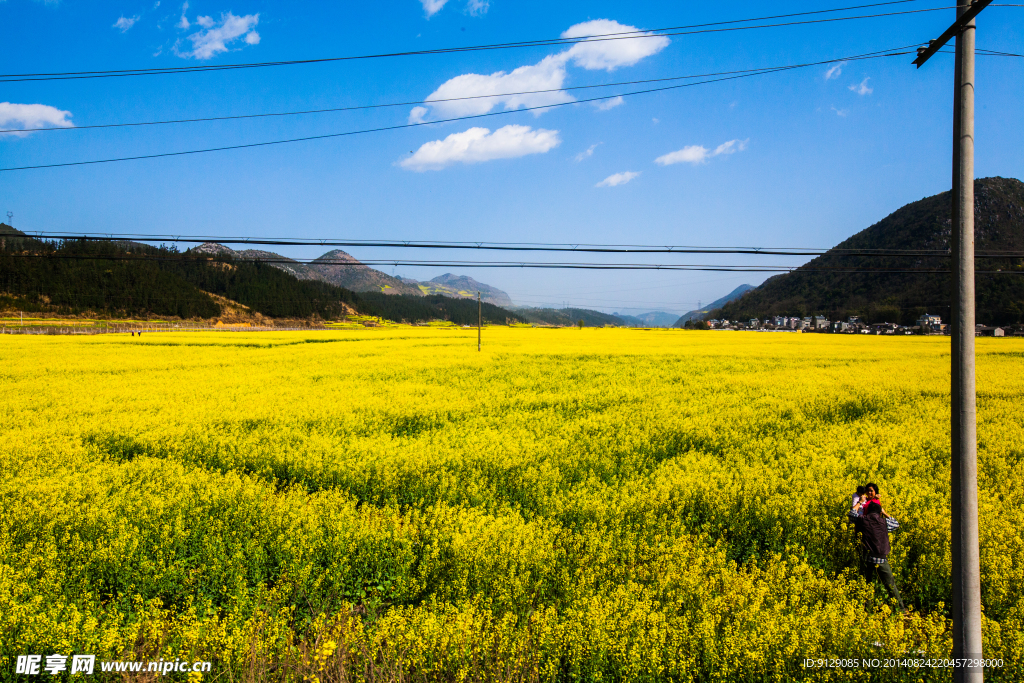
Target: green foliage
x,y
79,276
568,316
130,279
403,308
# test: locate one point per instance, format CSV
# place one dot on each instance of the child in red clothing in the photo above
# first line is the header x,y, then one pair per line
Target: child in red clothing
x,y
871,496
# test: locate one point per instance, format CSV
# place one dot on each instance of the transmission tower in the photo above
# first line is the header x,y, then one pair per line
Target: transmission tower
x,y
10,218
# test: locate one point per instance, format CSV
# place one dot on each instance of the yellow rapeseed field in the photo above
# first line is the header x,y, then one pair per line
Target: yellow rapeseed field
x,y
566,505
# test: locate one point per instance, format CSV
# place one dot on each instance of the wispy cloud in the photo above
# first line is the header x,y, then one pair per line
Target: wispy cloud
x,y
548,75
834,71
417,114
730,147
691,154
698,154
125,23
605,105
841,112
618,179
215,36
432,7
480,144
29,116
862,87
587,153
183,23
478,7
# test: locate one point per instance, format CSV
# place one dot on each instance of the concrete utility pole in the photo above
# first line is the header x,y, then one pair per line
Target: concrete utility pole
x,y
964,446
479,319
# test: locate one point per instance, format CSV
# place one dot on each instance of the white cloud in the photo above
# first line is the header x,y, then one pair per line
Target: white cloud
x,y
618,179
605,105
125,23
183,24
610,54
480,144
587,153
478,7
731,147
491,91
549,74
862,87
215,37
697,154
417,114
692,154
432,7
841,112
834,71
29,116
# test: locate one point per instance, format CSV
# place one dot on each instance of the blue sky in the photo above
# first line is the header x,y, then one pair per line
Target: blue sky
x,y
801,158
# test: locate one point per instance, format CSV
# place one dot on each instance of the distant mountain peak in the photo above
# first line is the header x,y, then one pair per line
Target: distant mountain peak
x,y
339,255
340,268
463,286
213,249
718,303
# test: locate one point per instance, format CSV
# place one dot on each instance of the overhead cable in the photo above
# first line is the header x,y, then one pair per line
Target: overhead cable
x,y
506,246
690,29
511,264
361,107
767,70
415,102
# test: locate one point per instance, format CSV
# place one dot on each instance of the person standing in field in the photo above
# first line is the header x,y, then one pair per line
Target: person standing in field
x,y
875,548
870,495
855,501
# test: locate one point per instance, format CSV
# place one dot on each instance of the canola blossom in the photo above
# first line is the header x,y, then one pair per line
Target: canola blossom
x,y
566,505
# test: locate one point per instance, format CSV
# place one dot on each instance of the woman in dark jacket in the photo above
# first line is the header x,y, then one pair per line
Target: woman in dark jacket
x,y
874,549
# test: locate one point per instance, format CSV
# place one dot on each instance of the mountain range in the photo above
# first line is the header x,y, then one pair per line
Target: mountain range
x,y
125,279
850,280
341,269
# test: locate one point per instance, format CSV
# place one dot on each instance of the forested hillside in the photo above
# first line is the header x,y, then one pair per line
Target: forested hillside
x,y
127,279
901,288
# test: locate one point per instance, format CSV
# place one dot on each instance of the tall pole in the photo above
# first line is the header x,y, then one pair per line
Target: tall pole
x,y
479,319
964,451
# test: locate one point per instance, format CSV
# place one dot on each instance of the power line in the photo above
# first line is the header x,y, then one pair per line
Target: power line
x,y
509,246
437,101
412,102
511,264
690,29
873,55
992,53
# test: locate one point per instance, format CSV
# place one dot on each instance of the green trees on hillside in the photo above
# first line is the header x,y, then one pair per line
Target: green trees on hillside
x,y
73,277
131,279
